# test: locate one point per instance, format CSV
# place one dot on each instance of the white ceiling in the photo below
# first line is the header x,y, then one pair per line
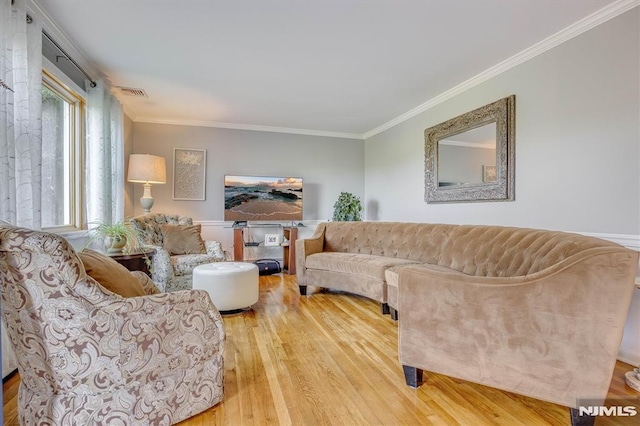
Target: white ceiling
x,y
340,66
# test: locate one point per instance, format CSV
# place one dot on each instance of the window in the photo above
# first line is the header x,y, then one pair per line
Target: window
x,y
62,136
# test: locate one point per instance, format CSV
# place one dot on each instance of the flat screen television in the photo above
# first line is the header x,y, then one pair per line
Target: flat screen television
x,y
262,198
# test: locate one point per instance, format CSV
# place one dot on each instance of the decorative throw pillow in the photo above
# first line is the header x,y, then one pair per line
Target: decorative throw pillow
x,y
110,274
183,239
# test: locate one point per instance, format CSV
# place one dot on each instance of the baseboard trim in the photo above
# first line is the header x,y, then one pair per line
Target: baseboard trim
x,y
629,358
629,241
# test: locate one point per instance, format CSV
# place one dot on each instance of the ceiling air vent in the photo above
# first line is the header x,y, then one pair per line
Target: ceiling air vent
x,y
130,91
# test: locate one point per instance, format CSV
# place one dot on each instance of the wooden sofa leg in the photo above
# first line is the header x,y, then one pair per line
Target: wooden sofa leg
x,y
394,314
384,308
413,376
578,420
303,290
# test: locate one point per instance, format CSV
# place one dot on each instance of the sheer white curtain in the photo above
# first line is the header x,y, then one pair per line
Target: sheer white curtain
x,y
104,160
20,115
21,137
20,128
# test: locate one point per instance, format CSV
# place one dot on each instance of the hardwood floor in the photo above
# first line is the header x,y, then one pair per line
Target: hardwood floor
x,y
331,359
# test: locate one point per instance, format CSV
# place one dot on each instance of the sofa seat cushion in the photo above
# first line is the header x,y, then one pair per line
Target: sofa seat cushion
x,y
183,264
391,277
365,265
391,274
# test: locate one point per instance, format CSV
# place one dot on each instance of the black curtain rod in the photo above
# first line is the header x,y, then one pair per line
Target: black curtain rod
x,y
74,63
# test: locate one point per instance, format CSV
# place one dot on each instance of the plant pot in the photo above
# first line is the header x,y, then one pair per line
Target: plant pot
x,y
114,244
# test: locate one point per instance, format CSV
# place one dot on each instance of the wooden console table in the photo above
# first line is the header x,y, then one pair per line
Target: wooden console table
x,y
134,261
289,249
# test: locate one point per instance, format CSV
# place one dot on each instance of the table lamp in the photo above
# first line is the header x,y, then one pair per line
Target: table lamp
x,y
147,169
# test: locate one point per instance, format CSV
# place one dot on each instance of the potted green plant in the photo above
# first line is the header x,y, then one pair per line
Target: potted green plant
x,y
117,237
347,208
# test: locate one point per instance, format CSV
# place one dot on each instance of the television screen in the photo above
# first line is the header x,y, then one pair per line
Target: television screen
x,y
262,198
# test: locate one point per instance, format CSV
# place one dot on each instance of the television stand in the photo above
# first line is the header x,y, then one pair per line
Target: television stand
x,y
289,249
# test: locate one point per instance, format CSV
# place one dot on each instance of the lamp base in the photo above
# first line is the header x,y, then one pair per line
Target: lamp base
x,y
146,204
147,200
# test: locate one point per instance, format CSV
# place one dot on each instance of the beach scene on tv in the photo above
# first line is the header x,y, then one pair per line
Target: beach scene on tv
x,y
262,198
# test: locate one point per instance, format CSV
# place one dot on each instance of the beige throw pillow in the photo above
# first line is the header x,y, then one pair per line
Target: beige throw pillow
x,y
183,239
110,274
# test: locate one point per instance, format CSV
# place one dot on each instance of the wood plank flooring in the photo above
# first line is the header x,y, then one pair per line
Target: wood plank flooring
x,y
331,359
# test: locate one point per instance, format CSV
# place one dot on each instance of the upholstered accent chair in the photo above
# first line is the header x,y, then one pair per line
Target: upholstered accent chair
x,y
89,356
171,271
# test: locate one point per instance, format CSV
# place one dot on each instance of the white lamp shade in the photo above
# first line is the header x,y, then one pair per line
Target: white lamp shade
x,y
147,168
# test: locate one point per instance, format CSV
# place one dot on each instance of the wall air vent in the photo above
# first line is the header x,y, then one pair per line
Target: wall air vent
x,y
130,91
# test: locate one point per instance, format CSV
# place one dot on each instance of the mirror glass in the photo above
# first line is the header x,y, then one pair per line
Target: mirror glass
x,y
468,157
471,157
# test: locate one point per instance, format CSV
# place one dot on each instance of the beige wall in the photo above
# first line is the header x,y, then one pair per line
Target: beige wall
x,y
577,142
327,165
577,148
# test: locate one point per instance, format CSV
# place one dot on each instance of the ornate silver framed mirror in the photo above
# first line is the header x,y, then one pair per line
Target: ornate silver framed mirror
x,y
472,157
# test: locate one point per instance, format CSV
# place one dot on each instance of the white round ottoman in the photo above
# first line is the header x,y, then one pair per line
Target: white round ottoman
x,y
232,286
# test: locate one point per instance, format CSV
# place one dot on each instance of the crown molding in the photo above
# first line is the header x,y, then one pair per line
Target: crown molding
x,y
252,127
603,15
126,109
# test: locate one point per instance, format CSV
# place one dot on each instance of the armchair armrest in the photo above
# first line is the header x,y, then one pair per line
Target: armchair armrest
x,y
552,335
147,284
164,335
161,269
214,248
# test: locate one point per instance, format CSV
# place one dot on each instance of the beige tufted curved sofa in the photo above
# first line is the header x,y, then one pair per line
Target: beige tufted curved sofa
x,y
539,313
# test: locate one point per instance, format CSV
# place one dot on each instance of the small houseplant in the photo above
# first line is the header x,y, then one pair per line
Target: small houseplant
x,y
347,208
117,237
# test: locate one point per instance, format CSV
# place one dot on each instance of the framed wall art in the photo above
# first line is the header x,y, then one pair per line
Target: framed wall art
x,y
272,239
189,174
488,173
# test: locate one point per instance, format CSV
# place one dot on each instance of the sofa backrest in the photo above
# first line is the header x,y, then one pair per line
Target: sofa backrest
x,y
413,241
495,251
492,251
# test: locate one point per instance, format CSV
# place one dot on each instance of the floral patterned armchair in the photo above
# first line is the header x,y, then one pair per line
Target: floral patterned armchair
x,y
89,356
172,272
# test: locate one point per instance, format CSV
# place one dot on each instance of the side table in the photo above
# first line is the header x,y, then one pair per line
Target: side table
x,y
134,261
